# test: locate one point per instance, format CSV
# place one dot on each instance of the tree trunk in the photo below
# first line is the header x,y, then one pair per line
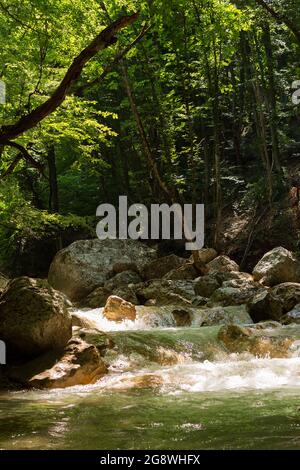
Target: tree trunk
x,y
53,186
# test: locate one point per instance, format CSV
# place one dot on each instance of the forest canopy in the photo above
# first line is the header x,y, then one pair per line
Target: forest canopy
x,y
193,99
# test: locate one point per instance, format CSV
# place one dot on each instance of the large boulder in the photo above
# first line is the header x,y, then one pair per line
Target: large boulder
x,y
277,266
223,264
274,303
80,268
81,364
263,306
118,309
287,296
223,316
235,292
158,268
34,318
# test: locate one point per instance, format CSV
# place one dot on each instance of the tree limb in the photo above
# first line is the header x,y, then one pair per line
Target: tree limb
x,y
109,68
26,155
11,167
106,38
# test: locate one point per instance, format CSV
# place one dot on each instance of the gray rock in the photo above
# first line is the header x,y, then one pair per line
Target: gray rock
x,y
158,268
277,266
34,318
87,264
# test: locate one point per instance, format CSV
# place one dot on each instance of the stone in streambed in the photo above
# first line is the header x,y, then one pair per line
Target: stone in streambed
x,y
260,343
117,309
81,364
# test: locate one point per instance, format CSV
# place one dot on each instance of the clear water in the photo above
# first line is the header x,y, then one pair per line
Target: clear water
x,y
167,389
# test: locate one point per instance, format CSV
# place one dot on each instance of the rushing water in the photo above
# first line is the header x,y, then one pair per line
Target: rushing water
x,y
168,388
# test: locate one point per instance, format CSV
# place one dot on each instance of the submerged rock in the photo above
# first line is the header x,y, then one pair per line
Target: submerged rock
x,y
238,339
117,309
86,264
147,381
34,318
182,317
277,266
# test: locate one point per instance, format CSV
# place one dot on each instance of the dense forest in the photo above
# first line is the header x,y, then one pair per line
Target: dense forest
x,y
190,102
123,342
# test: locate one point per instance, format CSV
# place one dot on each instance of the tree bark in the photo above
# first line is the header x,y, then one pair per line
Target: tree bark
x,y
53,186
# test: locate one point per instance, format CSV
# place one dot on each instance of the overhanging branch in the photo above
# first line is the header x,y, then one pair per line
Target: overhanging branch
x,y
109,68
106,38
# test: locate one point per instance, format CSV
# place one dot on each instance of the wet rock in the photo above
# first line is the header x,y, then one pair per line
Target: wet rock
x,y
147,381
199,301
287,296
81,364
34,318
127,293
97,298
293,316
224,316
182,317
235,292
166,292
262,306
260,343
206,255
87,264
102,341
206,285
159,268
187,271
223,264
117,309
277,266
122,280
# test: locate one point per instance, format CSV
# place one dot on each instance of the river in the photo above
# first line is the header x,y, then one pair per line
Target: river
x,y
168,388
